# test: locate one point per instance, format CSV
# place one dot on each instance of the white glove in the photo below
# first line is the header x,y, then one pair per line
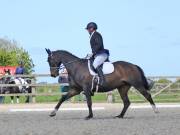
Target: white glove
x,y
88,56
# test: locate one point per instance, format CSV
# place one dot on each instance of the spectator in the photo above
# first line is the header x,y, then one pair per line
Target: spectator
x,y
63,79
20,69
1,99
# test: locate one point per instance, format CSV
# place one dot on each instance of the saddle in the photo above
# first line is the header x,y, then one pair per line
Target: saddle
x,y
107,68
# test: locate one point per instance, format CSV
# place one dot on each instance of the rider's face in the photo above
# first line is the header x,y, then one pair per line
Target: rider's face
x,y
90,30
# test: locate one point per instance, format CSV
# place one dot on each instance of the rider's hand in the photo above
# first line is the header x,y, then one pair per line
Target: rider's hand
x,y
89,56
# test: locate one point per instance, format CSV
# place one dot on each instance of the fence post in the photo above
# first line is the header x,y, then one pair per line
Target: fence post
x,y
33,92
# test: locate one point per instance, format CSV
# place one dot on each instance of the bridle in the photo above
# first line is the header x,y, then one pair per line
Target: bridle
x,y
62,66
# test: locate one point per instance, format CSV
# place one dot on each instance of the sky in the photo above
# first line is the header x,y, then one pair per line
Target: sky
x,y
143,32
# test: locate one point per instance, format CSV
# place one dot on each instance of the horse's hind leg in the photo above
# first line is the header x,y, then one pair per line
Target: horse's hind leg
x,y
123,91
148,96
17,99
12,100
89,103
27,99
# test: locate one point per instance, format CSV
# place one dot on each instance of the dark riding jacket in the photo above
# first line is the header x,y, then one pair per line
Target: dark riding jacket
x,y
97,46
19,70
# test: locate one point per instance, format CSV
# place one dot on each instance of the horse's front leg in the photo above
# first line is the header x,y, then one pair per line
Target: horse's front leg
x,y
89,104
65,97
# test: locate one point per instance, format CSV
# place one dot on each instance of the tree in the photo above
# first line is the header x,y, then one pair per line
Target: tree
x,y
164,81
11,54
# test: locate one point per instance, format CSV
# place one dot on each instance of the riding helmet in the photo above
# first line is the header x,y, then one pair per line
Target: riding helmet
x,y
92,25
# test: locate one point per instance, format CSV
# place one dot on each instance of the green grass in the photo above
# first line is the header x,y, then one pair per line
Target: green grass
x,y
102,97
134,98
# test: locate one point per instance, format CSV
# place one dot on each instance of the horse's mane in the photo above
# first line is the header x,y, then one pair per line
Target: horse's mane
x,y
66,53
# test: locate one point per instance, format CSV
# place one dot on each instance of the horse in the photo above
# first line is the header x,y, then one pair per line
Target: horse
x,y
2,90
4,80
124,76
18,89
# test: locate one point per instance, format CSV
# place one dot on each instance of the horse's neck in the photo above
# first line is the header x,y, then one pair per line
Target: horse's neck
x,y
19,81
71,66
70,62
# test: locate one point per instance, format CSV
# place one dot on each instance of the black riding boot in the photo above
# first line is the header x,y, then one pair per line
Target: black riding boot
x,y
101,76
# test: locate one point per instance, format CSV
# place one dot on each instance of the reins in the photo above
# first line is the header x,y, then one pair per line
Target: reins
x,y
63,66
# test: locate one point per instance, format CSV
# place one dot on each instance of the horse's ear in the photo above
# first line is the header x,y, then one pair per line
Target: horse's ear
x,y
48,51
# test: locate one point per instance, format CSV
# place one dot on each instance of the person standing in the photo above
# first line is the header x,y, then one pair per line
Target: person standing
x,y
20,70
63,78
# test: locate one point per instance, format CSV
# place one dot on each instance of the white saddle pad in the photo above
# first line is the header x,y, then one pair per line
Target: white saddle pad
x,y
108,68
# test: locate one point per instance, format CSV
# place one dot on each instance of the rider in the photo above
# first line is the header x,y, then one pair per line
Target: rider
x,y
99,54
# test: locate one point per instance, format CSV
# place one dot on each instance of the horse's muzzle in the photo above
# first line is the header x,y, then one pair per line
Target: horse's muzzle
x,y
52,75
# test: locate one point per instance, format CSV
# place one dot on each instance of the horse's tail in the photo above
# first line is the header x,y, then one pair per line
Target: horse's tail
x,y
147,85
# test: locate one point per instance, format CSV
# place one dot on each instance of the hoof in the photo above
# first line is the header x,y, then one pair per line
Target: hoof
x,y
88,117
92,93
53,113
155,109
119,117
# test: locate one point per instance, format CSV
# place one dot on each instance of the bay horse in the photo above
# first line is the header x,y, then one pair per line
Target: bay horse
x,y
125,76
